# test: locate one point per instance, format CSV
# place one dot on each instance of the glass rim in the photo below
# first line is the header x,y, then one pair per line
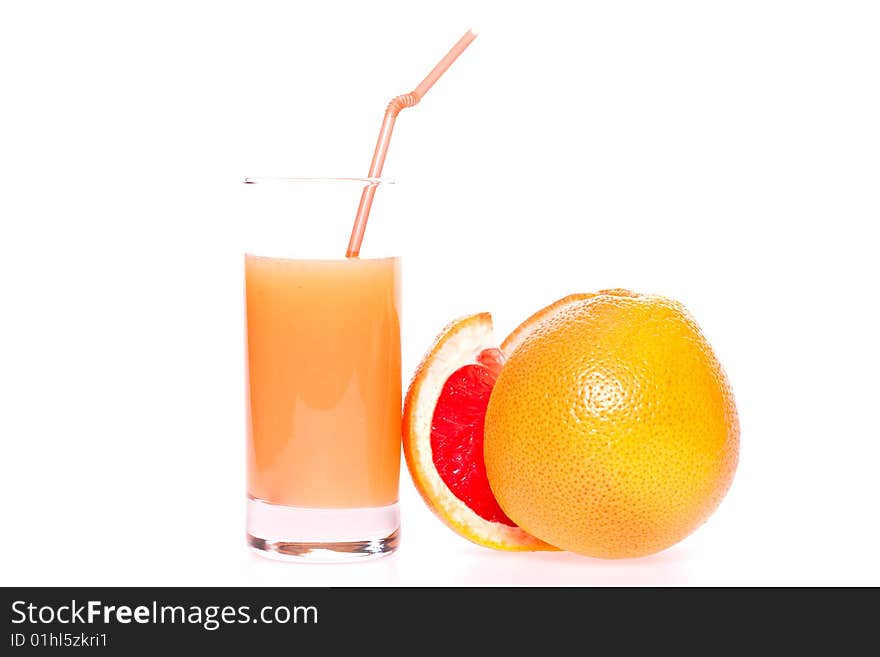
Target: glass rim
x,y
254,180
328,259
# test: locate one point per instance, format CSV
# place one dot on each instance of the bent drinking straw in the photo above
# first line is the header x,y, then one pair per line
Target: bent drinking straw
x,y
394,108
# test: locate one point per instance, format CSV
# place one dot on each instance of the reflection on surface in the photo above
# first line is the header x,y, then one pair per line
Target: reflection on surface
x,y
484,568
475,566
265,572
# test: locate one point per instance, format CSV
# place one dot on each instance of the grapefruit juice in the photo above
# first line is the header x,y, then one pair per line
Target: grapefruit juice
x,y
323,398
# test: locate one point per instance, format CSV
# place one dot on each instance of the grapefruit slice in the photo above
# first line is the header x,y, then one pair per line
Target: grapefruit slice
x,y
443,434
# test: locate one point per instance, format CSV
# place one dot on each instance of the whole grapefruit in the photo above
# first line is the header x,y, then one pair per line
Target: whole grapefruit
x,y
611,430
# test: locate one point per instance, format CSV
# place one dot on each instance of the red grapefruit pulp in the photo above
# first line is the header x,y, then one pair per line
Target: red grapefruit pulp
x,y
457,434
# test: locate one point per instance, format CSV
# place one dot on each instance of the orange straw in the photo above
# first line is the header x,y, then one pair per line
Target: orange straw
x,y
394,107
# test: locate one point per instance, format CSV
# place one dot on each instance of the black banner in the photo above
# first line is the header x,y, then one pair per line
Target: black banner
x,y
122,620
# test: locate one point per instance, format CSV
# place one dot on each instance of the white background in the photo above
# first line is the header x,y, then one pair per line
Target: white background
x,y
723,154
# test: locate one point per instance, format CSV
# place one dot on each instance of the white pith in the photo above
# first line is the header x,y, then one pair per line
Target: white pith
x,y
461,347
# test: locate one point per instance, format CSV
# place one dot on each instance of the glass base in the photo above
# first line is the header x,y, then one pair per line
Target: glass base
x,y
289,533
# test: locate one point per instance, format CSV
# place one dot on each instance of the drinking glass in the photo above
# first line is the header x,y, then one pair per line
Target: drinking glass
x,y
323,375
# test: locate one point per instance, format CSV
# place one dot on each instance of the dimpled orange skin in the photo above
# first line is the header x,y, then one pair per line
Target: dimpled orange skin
x,y
612,430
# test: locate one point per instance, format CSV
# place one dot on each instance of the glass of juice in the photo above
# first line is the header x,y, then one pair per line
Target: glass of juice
x,y
323,375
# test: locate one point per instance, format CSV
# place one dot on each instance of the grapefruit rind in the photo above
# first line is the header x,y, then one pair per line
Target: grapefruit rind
x,y
458,344
524,330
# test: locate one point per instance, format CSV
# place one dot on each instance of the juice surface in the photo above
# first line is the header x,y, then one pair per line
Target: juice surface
x,y
323,346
